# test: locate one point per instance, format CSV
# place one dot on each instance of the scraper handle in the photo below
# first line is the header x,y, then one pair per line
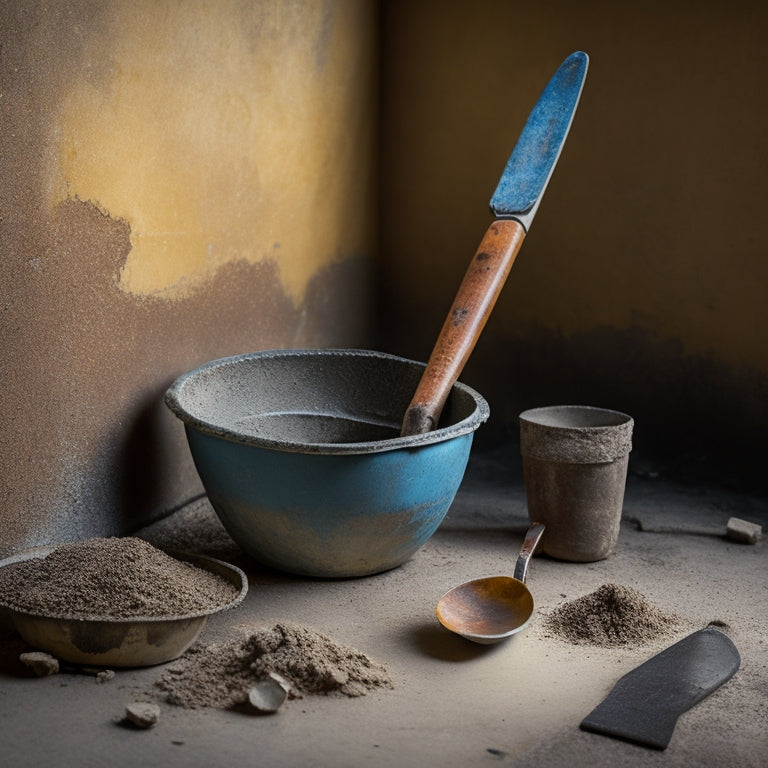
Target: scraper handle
x,y
471,308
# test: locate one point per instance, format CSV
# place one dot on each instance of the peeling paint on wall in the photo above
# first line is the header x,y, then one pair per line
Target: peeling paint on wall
x,y
179,181
220,132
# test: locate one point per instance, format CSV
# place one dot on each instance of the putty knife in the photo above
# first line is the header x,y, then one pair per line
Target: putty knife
x,y
514,204
644,705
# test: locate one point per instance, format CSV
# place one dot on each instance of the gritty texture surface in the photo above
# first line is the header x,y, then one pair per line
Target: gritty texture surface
x,y
111,578
453,703
220,675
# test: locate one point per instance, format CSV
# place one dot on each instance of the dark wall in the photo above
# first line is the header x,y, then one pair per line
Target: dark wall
x,y
643,283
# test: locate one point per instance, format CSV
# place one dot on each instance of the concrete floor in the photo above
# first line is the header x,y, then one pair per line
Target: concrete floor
x,y
454,703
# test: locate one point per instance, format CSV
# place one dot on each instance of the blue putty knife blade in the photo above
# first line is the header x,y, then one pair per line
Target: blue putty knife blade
x,y
535,155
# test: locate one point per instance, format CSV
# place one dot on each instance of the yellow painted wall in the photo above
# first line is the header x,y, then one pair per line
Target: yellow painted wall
x,y
220,132
179,181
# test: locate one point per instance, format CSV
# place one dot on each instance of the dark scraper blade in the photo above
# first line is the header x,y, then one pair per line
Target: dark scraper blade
x,y
644,705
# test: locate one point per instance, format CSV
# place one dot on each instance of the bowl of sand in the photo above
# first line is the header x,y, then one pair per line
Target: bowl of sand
x,y
115,602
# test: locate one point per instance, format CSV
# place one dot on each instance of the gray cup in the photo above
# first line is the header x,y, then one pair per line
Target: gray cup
x,y
575,471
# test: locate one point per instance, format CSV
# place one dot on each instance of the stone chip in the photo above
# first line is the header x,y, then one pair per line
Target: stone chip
x,y
743,531
42,664
267,695
142,714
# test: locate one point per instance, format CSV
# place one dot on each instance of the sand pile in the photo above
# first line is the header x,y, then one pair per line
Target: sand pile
x,y
220,675
612,615
111,578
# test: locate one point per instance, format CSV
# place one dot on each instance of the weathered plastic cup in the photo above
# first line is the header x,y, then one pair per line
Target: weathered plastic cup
x,y
575,471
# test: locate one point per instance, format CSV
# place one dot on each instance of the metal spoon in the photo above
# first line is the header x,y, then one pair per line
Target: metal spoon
x,y
491,609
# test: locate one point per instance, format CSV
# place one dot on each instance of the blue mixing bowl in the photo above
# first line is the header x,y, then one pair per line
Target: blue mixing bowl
x,y
300,455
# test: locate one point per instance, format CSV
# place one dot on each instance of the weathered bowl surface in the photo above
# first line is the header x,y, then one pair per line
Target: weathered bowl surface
x,y
300,455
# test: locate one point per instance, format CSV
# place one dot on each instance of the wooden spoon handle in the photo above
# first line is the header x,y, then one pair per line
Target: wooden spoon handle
x,y
471,308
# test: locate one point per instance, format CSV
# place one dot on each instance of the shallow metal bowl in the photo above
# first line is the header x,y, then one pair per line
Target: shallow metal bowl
x,y
129,642
300,455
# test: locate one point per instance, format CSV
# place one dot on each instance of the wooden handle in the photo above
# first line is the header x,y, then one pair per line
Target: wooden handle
x,y
471,308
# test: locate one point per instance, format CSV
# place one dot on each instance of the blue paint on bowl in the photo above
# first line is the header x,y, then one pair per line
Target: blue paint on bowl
x,y
300,456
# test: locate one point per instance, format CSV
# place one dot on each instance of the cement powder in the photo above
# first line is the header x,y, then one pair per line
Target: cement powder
x,y
613,615
220,675
111,578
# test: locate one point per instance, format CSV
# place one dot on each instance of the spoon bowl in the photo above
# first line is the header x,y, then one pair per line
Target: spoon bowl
x,y
491,609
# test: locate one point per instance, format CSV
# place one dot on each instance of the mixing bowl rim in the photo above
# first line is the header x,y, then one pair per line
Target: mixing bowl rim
x,y
174,395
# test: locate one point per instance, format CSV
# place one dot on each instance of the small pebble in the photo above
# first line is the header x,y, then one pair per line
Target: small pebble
x,y
105,675
743,531
142,714
42,664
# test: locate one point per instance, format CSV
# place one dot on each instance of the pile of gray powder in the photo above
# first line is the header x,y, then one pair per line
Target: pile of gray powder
x,y
111,578
612,615
220,675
